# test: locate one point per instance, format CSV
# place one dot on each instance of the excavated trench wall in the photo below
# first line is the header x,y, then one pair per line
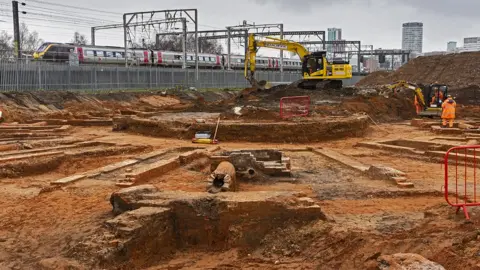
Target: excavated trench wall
x,y
281,132
155,224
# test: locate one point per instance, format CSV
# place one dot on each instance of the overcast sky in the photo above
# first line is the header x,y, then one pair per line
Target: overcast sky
x,y
374,22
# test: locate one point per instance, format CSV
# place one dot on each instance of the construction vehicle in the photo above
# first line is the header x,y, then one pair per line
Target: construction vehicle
x,y
317,71
428,99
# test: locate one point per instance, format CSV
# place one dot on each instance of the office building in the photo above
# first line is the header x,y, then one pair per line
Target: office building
x,y
451,46
333,34
471,44
412,36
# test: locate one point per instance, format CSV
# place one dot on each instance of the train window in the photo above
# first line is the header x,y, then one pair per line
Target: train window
x,y
177,57
43,47
242,60
109,54
88,53
53,49
191,57
63,51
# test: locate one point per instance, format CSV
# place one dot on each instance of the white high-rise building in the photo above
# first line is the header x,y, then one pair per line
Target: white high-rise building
x,y
333,34
412,36
451,46
471,44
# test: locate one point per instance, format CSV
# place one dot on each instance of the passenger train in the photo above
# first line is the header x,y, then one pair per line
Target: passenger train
x,y
61,52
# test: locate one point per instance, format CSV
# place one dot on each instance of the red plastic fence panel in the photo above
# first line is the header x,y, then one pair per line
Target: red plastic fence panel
x,y
294,106
461,183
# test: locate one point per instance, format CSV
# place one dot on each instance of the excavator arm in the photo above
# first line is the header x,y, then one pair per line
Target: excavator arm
x,y
272,43
417,90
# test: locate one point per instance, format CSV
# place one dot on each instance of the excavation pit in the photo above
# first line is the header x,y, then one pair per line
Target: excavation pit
x,y
312,129
151,224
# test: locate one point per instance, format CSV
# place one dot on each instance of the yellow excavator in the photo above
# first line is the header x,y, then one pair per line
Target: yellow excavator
x,y
436,93
317,71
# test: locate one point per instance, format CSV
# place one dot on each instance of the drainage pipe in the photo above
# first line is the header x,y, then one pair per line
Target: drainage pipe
x,y
222,179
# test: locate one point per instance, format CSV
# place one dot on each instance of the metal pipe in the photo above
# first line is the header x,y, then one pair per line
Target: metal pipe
x,y
184,42
93,36
196,47
125,38
229,47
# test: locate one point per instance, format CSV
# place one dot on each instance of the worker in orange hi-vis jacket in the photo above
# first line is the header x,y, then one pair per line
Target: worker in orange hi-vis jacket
x,y
448,112
418,106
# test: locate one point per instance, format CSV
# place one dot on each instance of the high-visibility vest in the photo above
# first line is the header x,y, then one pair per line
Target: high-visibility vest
x,y
448,109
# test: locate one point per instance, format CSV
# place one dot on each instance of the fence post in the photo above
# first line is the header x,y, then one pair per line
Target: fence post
x,y
213,79
17,81
94,75
173,78
150,77
138,77
69,77
117,77
128,77
39,77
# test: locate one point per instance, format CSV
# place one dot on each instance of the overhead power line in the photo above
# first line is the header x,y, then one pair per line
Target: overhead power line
x,y
75,7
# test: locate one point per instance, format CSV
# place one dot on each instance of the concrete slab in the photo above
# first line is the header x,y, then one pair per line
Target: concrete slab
x,y
153,154
118,165
153,170
395,148
68,180
348,161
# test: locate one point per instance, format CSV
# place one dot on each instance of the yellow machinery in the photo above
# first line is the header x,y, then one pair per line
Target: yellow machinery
x,y
318,73
436,93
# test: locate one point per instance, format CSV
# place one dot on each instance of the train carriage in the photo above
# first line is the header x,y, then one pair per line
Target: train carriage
x,y
87,54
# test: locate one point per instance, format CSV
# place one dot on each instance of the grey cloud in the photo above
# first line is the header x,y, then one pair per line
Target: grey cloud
x,y
305,5
444,9
449,8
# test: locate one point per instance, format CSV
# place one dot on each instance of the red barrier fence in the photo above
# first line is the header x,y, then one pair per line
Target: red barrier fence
x,y
461,170
294,106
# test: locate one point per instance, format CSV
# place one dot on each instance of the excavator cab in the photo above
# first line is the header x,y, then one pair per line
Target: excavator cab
x,y
435,94
428,99
319,73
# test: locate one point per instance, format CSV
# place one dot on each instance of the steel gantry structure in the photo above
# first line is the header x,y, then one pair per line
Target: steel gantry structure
x,y
148,19
405,54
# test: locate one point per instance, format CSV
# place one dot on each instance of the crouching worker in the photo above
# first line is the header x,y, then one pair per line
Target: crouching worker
x,y
448,112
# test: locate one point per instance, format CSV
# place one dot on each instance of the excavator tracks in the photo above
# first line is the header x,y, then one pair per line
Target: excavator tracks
x,y
317,84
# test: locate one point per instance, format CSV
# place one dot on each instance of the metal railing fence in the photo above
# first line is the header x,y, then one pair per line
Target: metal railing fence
x,y
32,75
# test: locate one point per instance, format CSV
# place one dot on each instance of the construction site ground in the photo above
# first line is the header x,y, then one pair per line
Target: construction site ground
x,y
61,161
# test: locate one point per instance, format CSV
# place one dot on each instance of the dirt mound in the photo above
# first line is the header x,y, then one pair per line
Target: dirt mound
x,y
344,102
374,77
456,70
24,106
